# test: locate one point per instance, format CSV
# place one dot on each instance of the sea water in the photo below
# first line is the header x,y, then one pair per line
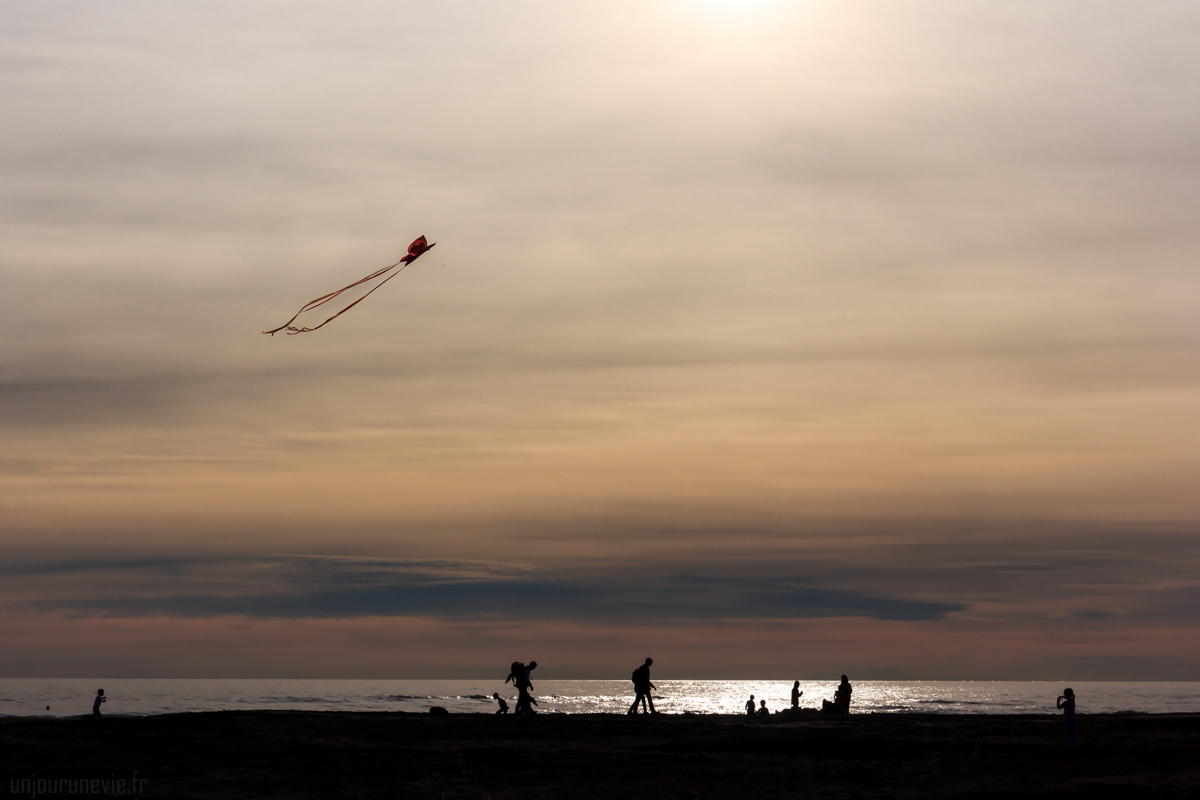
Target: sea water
x,y
135,697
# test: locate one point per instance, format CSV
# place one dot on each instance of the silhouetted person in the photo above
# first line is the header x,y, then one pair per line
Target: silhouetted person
x,y
516,676
503,705
763,709
524,684
796,696
841,699
642,687
1067,703
750,706
100,698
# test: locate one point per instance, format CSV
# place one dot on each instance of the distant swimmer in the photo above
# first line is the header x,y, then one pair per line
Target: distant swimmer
x,y
503,705
100,698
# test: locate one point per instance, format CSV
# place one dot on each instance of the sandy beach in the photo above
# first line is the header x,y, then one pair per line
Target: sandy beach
x,y
333,754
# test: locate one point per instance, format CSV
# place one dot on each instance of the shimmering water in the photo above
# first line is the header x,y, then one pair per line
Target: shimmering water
x,y
29,697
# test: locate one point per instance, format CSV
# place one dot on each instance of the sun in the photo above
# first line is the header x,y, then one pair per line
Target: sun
x,y
739,7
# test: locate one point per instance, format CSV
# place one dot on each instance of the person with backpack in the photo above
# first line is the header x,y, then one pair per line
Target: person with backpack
x,y
642,687
521,678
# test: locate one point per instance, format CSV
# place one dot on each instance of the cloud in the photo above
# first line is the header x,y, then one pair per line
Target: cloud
x,y
857,262
1117,668
323,587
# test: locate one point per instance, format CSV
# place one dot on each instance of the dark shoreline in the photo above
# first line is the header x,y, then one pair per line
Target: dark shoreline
x,y
373,754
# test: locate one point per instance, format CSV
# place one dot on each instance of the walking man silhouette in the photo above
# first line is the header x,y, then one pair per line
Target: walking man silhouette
x,y
642,687
525,702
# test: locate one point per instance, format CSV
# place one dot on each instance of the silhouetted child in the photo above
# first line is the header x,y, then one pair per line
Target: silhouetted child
x,y
1067,703
796,696
100,698
750,706
503,705
763,710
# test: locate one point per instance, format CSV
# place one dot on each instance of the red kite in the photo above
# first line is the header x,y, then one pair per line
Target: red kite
x,y
419,246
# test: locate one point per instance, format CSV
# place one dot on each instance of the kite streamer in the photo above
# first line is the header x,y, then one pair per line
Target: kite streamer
x,y
419,246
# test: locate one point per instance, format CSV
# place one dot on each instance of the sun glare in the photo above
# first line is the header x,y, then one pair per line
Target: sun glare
x,y
740,7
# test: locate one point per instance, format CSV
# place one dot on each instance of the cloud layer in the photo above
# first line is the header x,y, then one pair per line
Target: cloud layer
x,y
814,314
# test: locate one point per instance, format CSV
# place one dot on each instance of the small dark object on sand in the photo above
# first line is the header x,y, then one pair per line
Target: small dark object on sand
x,y
438,711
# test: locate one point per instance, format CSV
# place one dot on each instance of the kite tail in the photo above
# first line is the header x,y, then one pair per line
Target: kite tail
x,y
323,299
320,301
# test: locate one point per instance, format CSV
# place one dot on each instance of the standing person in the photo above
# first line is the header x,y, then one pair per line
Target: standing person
x,y
641,688
519,675
796,696
841,699
100,698
750,706
1066,702
525,702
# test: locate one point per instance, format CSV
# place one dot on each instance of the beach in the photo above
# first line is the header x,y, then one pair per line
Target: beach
x,y
339,754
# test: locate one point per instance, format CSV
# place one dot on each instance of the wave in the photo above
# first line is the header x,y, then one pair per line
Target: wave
x,y
402,697
292,699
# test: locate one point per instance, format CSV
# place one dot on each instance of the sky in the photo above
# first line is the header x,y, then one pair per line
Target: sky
x,y
769,339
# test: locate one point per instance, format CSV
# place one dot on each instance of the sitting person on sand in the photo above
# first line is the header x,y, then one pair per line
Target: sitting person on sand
x,y
503,705
100,698
750,706
764,709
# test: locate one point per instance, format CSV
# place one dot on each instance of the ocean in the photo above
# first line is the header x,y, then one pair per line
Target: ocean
x,y
30,697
